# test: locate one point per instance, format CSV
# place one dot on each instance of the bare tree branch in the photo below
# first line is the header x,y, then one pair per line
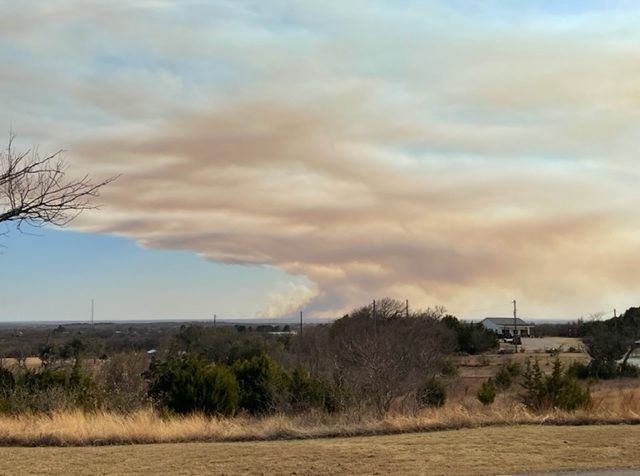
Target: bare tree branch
x,y
36,190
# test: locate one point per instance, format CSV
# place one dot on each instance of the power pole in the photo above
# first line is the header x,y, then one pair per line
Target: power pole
x,y
214,320
515,325
92,312
300,324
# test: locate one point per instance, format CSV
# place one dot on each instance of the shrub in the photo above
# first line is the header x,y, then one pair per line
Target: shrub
x,y
7,382
306,391
472,338
578,370
431,393
188,384
121,378
503,378
558,390
263,384
39,381
449,367
47,390
487,392
7,386
506,375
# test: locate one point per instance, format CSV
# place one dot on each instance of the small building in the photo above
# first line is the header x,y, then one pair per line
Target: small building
x,y
507,326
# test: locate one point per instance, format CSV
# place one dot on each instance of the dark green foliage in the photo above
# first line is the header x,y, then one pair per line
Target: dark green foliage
x,y
630,371
72,349
41,380
7,382
471,338
487,392
224,345
46,390
7,386
431,393
610,341
307,392
263,384
503,378
506,375
558,390
47,354
578,370
187,384
534,384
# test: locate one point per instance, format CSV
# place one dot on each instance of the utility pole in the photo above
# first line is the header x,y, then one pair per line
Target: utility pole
x,y
407,308
300,324
92,312
515,325
214,320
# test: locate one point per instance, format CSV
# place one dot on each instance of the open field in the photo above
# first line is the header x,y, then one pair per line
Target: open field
x,y
496,450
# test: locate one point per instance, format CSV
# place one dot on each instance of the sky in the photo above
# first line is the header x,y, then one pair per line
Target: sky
x,y
278,156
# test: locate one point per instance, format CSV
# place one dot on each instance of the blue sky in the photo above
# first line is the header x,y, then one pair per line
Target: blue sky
x,y
278,156
57,273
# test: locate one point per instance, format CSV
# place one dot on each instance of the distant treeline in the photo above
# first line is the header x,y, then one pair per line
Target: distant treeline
x,y
363,360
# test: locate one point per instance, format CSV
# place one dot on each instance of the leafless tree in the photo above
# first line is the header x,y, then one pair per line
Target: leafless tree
x,y
385,353
36,190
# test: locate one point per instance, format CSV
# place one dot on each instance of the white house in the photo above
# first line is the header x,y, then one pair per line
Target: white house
x,y
506,325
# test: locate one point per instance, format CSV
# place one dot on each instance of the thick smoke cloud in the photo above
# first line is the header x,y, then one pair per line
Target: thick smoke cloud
x,y
455,157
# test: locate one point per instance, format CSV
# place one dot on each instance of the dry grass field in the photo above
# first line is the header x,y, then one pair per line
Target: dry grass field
x,y
30,362
612,402
485,451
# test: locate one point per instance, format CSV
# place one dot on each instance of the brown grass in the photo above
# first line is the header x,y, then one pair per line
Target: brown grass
x,y
504,438
29,363
486,451
618,403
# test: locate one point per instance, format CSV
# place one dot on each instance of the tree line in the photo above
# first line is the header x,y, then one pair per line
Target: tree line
x,y
363,361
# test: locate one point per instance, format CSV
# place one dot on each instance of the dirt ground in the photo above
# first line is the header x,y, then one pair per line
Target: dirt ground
x,y
542,344
486,451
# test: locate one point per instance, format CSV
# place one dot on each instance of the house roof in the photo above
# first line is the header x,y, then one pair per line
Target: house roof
x,y
506,321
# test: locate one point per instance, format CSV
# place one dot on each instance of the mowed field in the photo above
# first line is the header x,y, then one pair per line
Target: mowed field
x,y
482,451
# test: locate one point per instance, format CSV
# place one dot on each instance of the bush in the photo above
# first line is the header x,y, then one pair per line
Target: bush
x,y
503,378
7,383
47,390
506,375
121,378
558,390
431,393
578,370
472,338
263,384
187,384
487,392
40,381
306,392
